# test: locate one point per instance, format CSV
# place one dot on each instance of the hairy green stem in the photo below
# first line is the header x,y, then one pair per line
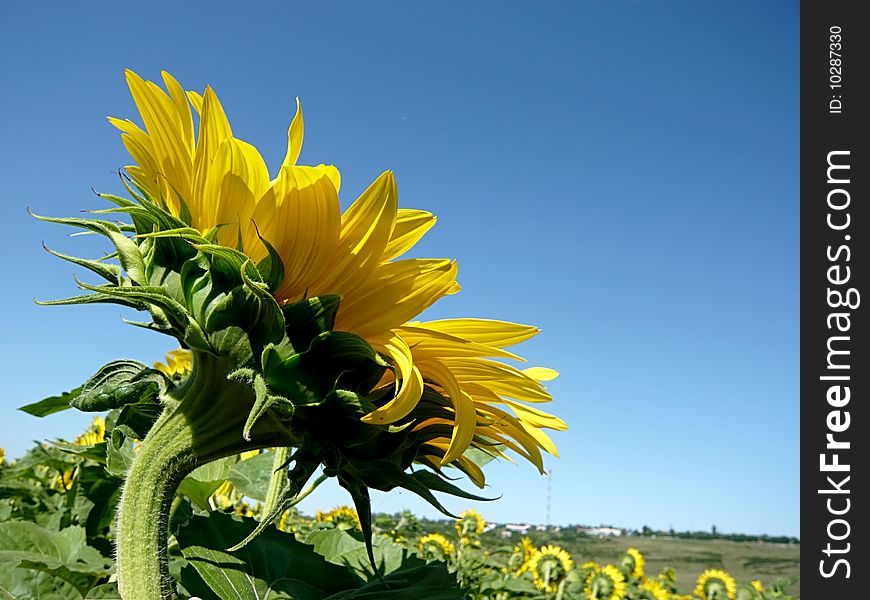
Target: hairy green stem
x,y
202,422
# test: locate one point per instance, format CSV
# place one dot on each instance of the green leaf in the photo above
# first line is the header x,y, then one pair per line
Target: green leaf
x,y
274,563
64,553
341,548
52,404
116,384
205,480
251,477
432,582
119,458
28,584
106,591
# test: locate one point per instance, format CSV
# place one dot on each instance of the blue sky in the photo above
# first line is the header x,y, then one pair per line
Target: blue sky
x,y
623,175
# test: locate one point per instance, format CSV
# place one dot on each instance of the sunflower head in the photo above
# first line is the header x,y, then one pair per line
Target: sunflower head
x,y
2,457
716,584
521,557
607,583
632,563
95,433
757,585
668,578
179,363
297,316
470,524
550,567
434,546
652,589
342,517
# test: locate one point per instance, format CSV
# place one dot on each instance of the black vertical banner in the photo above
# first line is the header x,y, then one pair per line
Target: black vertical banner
x,y
835,372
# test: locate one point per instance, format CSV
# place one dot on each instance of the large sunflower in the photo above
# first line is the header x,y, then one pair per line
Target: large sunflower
x,y
606,583
716,584
549,567
216,182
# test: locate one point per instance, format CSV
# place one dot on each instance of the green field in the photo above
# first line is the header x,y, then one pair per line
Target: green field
x,y
745,561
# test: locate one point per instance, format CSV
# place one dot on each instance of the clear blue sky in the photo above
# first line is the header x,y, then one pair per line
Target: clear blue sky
x,y
623,175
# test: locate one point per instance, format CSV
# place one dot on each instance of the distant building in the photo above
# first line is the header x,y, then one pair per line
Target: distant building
x,y
600,532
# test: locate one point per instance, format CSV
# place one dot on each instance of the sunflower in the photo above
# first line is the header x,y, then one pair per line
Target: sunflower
x,y
652,589
757,585
435,546
588,569
521,558
607,583
470,524
343,517
95,434
632,563
549,567
179,363
2,456
218,183
715,584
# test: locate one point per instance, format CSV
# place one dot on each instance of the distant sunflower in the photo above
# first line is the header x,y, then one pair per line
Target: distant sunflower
x,y
757,585
550,567
470,524
95,434
716,584
521,559
652,589
435,546
588,569
632,563
607,583
179,363
344,517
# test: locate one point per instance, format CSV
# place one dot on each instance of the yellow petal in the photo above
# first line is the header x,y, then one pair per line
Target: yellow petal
x,y
541,438
299,216
235,180
214,129
165,128
498,334
463,405
410,382
541,373
366,227
182,107
411,225
428,343
196,100
294,137
394,293
502,379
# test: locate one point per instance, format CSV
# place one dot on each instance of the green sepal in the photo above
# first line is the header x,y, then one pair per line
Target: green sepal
x,y
271,267
263,401
119,383
363,504
128,251
334,358
306,319
107,271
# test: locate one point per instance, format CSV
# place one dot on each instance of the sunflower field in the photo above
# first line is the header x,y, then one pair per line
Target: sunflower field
x,y
57,536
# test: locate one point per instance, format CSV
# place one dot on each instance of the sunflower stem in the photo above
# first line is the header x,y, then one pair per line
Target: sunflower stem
x,y
202,422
